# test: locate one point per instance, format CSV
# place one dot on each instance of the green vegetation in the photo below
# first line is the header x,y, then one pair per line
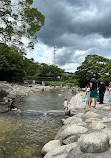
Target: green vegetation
x,y
19,20
14,66
93,66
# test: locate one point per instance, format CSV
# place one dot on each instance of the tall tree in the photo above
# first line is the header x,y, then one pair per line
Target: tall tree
x,y
93,65
19,20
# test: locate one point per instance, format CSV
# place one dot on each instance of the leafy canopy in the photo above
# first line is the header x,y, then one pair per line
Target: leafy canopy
x,y
93,66
19,20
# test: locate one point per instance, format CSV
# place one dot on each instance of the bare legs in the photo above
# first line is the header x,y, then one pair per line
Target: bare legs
x,y
95,100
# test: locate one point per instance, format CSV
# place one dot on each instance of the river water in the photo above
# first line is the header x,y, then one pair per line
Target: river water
x,y
23,133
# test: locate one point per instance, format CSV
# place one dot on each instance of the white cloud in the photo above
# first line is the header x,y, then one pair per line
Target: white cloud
x,y
80,52
70,67
42,53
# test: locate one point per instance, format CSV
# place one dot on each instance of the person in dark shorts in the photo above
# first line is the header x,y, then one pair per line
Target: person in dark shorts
x,y
93,89
102,89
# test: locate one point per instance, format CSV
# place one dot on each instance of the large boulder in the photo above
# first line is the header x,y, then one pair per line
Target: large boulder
x,y
97,125
90,114
89,120
106,108
76,101
94,142
79,115
70,139
107,131
69,130
106,119
72,120
50,146
60,152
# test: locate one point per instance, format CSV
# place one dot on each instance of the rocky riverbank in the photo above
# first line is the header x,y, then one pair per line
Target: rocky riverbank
x,y
84,135
11,91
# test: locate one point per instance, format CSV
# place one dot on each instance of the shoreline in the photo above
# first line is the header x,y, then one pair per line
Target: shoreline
x,y
12,91
83,135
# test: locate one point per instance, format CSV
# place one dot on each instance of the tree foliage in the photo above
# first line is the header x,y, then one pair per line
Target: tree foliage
x,y
93,66
19,20
14,65
50,71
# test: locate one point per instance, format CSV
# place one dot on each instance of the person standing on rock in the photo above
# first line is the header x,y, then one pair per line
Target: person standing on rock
x,y
109,97
102,89
65,106
87,96
93,94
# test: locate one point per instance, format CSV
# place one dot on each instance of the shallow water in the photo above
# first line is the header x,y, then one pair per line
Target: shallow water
x,y
22,135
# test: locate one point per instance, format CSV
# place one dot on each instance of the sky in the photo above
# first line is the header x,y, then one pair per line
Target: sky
x,y
77,28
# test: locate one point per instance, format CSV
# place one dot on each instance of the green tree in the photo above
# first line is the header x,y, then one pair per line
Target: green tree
x,y
107,75
11,63
19,20
93,66
50,71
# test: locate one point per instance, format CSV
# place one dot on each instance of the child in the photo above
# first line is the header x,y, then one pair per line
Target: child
x,y
12,106
87,97
65,106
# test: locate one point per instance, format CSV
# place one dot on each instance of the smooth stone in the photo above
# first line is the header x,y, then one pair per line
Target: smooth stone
x,y
69,130
70,139
60,152
107,131
90,114
79,115
97,125
106,120
89,120
94,142
106,108
72,120
50,146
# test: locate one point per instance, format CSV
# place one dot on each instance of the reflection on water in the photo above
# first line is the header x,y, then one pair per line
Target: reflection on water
x,y
23,136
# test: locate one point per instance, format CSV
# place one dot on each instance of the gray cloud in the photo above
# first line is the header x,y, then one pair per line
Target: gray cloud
x,y
76,25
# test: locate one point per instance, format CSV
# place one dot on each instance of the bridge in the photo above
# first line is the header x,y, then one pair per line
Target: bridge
x,y
41,79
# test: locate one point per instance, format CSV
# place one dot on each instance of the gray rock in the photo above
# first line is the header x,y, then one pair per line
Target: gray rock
x,y
89,120
69,130
50,146
79,115
70,139
61,152
72,120
77,153
106,120
97,125
90,114
94,142
107,131
106,108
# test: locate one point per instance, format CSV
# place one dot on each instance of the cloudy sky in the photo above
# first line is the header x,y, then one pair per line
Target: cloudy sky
x,y
77,28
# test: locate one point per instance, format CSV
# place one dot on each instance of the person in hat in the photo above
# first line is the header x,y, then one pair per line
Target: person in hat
x,y
102,89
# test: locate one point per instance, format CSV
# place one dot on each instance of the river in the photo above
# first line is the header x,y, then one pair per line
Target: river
x,y
23,133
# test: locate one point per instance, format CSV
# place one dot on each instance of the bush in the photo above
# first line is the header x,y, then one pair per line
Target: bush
x,y
47,83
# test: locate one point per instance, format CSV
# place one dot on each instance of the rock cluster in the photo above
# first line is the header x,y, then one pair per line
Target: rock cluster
x,y
85,135
18,91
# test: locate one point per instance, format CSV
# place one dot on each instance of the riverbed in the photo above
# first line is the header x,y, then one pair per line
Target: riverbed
x,y
23,133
